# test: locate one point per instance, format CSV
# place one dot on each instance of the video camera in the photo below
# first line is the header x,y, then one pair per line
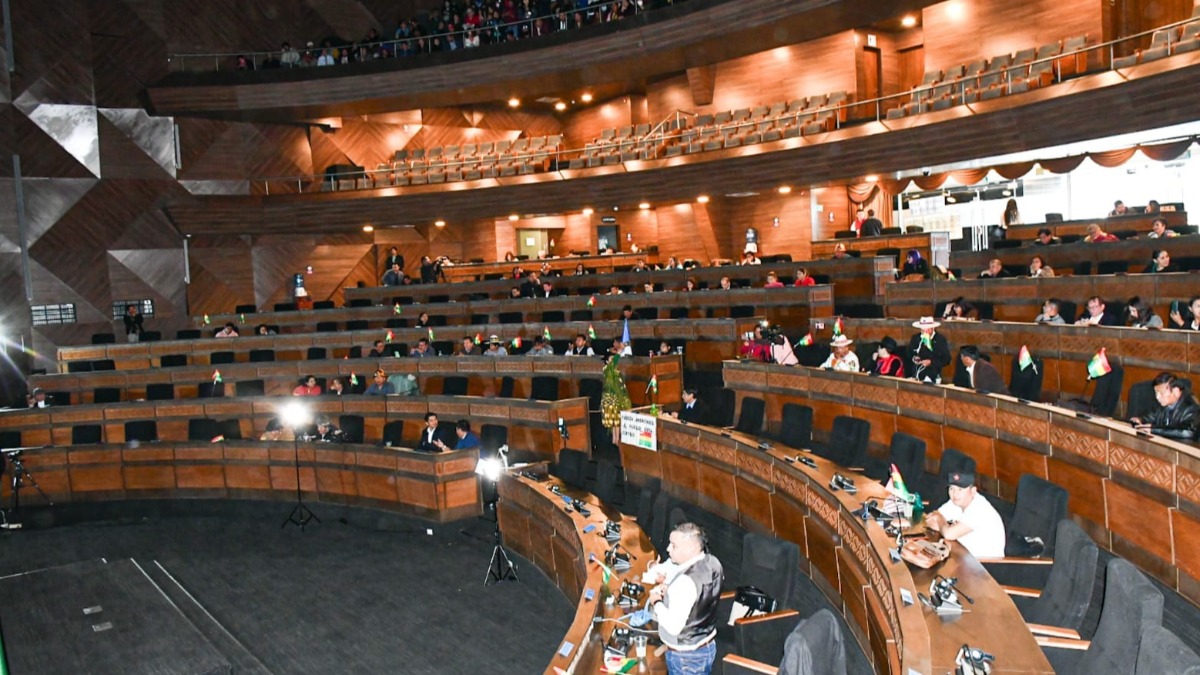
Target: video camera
x,y
772,334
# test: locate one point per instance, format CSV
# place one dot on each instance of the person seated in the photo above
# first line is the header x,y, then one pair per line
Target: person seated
x,y
841,358
377,350
1160,263
580,347
307,387
840,252
1159,230
960,310
276,432
693,410
264,329
422,320
773,281
648,287
422,350
930,351
394,276
749,258
641,266
432,438
580,270
336,387
887,362
1046,238
518,273
380,386
969,518
1039,268
1097,235
627,314
1152,207
37,398
803,278
664,349
1139,314
468,347
1187,319
673,264
915,267
620,348
756,347
327,431
514,293
540,347
1177,414
690,285
615,290
229,331
509,257
1119,209
532,286
1050,313
466,439
982,376
495,347
1097,314
995,270
726,284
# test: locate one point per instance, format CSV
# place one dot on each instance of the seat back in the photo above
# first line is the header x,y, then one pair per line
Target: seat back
x,y
173,360
953,461
1026,383
795,426
1141,399
106,395
581,315
393,433
262,355
315,353
572,468
85,434
250,388
1131,605
847,441
143,431
1162,653
592,389
210,390
610,482
815,646
231,429
491,437
203,429
772,565
352,428
907,452
1040,506
160,391
1067,595
217,358
455,385
1108,390
553,316
750,419
188,334
507,383
659,533
511,317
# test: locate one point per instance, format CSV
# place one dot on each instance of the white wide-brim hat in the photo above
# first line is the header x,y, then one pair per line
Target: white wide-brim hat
x,y
926,322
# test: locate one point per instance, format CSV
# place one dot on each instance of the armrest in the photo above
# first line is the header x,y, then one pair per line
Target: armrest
x,y
733,664
1053,631
1060,643
1022,592
761,618
1016,561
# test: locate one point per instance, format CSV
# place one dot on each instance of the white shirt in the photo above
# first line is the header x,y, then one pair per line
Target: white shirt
x,y
681,595
971,375
986,538
848,363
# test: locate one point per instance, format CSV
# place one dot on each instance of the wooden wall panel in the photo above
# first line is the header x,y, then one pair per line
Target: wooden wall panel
x,y
581,127
794,234
960,31
668,95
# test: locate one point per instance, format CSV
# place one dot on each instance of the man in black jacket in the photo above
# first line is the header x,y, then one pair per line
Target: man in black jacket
x,y
930,351
982,376
532,287
694,411
1096,313
394,258
1177,414
432,439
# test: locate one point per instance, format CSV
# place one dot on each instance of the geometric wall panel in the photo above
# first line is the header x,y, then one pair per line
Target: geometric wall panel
x,y
74,128
153,135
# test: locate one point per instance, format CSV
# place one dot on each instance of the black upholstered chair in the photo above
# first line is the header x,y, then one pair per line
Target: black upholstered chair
x,y
454,385
79,366
1107,393
592,389
953,461
1162,653
510,317
507,384
352,427
327,326
659,523
1027,383
104,338
907,452
315,353
572,468
231,429
250,388
173,360
210,390
104,364
1066,595
544,388
85,434
553,316
795,426
262,355
218,358
1131,605
188,334
581,315
1141,399
750,418
106,395
722,403
645,509
160,391
143,431
203,429
323,304
491,437
393,433
1040,505
814,645
847,444
770,565
610,483
357,324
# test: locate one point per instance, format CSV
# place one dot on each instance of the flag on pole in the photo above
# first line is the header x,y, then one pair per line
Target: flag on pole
x,y
478,339
837,327
546,332
389,336
396,309
625,333
217,377
516,342
896,485
242,318
353,379
218,438
207,320
950,276
591,301
806,341
1098,366
431,335
1025,359
591,332
654,383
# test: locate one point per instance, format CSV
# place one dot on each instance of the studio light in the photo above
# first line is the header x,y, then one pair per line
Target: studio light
x,y
296,414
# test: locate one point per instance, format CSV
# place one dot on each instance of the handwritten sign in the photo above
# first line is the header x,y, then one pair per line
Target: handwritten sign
x,y
639,430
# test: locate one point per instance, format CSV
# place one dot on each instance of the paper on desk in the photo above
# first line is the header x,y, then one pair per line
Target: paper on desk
x,y
619,664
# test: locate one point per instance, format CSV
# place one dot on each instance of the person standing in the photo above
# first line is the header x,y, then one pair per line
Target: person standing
x,y
982,376
685,603
930,351
133,324
394,259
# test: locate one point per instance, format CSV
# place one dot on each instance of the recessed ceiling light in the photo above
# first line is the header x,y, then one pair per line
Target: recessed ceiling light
x,y
872,178
586,98
514,217
908,21
514,102
644,205
560,106
703,199
588,211
784,189
368,228
440,223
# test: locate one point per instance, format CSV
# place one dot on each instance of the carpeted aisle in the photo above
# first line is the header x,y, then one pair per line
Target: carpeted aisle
x,y
337,598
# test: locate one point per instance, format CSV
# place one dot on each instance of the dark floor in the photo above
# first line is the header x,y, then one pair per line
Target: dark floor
x,y
337,598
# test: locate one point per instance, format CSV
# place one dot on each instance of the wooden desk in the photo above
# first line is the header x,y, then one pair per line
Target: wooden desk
x,y
1139,222
848,559
536,526
484,376
439,487
934,246
532,425
600,264
1137,496
1064,257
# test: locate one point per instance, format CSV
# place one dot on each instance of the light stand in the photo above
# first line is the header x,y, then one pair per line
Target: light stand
x,y
19,476
500,567
297,416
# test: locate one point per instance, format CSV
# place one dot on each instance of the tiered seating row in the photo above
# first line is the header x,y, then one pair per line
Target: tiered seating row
x,y
1165,42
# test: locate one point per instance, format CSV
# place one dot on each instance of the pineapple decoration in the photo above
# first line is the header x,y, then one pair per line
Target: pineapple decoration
x,y
614,397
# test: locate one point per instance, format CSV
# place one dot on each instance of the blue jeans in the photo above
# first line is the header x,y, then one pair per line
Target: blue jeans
x,y
696,662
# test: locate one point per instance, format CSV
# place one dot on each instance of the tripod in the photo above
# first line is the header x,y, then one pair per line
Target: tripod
x,y
301,515
501,567
19,476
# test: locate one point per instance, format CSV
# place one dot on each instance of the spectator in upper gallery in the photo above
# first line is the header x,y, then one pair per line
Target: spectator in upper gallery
x,y
518,273
1039,268
872,226
1160,263
1159,229
336,387
423,320
468,347
1050,313
673,264
641,266
773,281
1046,238
471,40
307,387
326,58
377,350
856,225
959,309
288,57
580,270
547,290
133,323
840,252
1152,206
915,267
580,347
1097,314
1186,318
532,286
930,351
841,358
264,329
887,362
1097,235
229,331
37,398
1011,216
690,285
627,314
514,292
422,350
495,347
1177,414
540,347
380,385
648,287
509,257
726,284
803,278
981,374
749,258
394,276
1139,314
615,290
394,258
1119,209
995,270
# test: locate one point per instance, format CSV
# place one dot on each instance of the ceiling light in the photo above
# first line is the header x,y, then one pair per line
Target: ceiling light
x,y
703,199
908,21
644,205
586,98
514,102
872,178
440,223
560,106
514,217
368,228
588,211
784,189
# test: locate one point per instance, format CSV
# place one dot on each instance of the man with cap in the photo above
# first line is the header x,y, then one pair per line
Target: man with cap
x,y
841,358
969,518
495,348
982,376
930,351
37,399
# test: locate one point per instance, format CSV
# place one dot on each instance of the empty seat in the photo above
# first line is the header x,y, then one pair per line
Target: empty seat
x,y
795,427
572,468
160,391
610,483
327,326
315,353
188,334
210,390
218,358
544,388
106,395
1162,653
357,324
454,385
143,431
750,419
231,429
393,433
103,338
104,364
262,355
250,388
1066,594
1040,506
173,360
848,440
85,434
352,427
203,429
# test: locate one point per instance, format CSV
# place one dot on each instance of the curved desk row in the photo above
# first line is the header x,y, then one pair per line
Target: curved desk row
x,y
1135,494
860,279
598,264
934,246
1064,258
536,526
709,340
484,376
780,305
727,474
440,487
532,425
1065,350
1139,221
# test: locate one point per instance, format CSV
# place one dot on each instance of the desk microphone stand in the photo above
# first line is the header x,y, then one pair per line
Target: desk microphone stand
x,y
301,515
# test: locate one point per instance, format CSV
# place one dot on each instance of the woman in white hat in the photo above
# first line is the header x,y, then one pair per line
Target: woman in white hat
x,y
930,351
841,358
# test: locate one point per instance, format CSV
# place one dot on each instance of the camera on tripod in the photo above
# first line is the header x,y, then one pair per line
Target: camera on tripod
x,y
771,333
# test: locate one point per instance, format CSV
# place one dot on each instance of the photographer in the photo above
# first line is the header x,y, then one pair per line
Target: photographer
x,y
431,270
757,347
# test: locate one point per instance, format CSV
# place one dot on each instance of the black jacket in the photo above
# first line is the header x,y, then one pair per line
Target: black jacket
x,y
939,356
427,445
1178,422
697,414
